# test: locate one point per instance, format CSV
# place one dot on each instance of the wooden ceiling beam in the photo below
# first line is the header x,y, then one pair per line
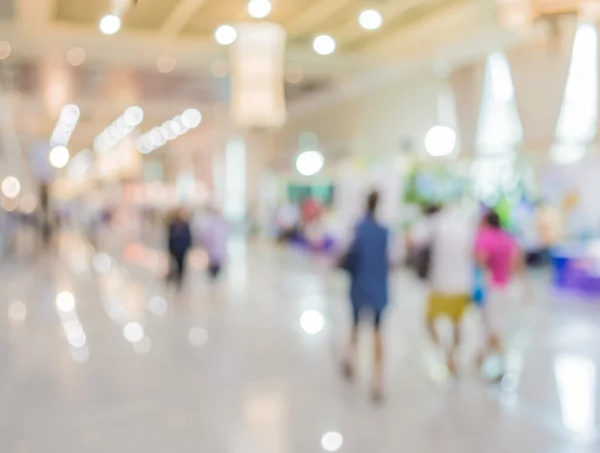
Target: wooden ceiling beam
x,y
352,31
180,17
451,19
314,15
35,14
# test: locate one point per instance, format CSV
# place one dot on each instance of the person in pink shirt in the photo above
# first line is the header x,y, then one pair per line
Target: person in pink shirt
x,y
498,254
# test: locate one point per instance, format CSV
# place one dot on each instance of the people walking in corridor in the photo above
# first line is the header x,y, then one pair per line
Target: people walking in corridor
x,y
448,235
367,263
497,253
214,234
180,243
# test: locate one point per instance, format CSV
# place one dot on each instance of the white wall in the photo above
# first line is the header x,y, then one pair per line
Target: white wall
x,y
376,122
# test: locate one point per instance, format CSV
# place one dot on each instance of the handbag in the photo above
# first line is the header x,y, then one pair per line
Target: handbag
x,y
348,261
422,262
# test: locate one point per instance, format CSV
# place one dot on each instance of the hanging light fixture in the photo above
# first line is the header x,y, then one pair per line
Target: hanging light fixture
x,y
257,68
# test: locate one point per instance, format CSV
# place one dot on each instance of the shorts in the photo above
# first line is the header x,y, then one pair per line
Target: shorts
x,y
359,310
214,270
453,306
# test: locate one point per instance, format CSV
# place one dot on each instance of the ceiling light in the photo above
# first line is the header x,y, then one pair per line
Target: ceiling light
x,y
191,118
110,24
440,141
59,156
166,64
370,19
324,44
309,163
155,137
133,116
167,131
225,35
259,9
76,56
4,50
176,127
70,114
11,188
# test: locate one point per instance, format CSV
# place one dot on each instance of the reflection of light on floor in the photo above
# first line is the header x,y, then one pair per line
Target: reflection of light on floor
x,y
197,337
78,263
436,366
72,327
265,421
17,312
237,277
312,322
133,332
157,305
80,355
332,441
65,302
576,383
236,248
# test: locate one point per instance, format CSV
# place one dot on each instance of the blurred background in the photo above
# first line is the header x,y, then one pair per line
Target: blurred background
x,y
151,142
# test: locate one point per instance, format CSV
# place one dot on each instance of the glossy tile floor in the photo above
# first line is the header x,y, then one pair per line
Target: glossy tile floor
x,y
96,355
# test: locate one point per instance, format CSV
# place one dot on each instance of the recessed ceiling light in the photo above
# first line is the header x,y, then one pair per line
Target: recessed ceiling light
x,y
225,35
110,24
370,19
5,50
259,9
324,44
191,118
133,116
76,56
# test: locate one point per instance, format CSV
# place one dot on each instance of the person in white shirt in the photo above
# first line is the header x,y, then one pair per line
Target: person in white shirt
x,y
449,233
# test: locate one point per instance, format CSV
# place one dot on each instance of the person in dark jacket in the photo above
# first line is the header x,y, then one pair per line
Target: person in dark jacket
x,y
368,264
180,243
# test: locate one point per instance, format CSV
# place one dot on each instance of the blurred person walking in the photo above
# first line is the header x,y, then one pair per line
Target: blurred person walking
x,y
443,243
180,243
497,253
367,263
214,234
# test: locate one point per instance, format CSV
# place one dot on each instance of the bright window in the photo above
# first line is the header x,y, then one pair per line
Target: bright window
x,y
578,117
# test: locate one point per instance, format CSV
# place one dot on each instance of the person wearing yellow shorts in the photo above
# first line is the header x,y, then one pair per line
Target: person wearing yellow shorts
x,y
453,307
449,234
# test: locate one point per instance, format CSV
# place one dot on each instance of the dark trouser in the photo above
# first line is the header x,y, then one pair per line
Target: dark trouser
x,y
358,310
179,267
